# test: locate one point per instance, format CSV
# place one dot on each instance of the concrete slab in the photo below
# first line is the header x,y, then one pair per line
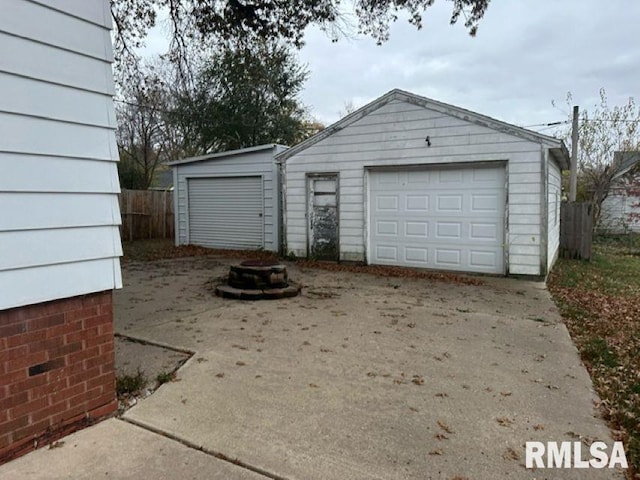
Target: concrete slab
x,y
117,450
152,360
362,376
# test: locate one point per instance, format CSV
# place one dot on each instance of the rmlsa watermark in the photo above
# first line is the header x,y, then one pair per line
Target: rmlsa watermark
x,y
570,455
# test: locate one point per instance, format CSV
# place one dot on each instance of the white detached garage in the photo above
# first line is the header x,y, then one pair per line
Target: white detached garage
x,y
229,200
414,182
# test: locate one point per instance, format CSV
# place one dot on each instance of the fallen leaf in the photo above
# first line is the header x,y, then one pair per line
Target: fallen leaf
x,y
511,454
444,426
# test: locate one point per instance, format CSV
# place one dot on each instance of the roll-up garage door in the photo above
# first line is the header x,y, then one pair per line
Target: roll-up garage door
x,y
226,212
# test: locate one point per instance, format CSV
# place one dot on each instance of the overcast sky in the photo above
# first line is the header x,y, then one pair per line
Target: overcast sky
x,y
526,54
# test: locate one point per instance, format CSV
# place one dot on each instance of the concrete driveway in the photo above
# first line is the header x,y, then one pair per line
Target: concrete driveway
x,y
360,377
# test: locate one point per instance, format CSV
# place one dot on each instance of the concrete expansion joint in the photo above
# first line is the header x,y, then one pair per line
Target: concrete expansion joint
x,y
219,455
153,343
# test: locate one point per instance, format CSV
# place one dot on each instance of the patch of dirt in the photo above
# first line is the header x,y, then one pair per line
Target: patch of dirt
x,y
150,365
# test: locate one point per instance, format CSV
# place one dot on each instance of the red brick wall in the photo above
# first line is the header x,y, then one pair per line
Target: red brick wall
x,y
57,370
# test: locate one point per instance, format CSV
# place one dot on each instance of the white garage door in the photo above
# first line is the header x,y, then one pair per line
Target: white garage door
x,y
226,212
447,218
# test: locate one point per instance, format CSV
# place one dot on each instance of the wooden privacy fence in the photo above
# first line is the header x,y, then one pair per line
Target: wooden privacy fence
x,y
576,230
146,214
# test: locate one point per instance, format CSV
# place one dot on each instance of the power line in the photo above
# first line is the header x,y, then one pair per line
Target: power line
x,y
550,124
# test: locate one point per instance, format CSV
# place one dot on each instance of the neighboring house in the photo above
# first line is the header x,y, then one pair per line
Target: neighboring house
x,y
229,200
620,211
162,179
410,181
59,239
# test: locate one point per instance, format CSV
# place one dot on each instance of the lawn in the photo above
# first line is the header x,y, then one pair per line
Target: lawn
x,y
600,303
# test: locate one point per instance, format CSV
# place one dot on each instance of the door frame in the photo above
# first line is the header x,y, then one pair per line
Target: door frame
x,y
309,178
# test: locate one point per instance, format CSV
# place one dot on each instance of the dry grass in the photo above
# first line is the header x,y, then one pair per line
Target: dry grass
x,y
600,303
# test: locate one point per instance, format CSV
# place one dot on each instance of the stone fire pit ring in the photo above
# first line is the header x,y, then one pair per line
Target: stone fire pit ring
x,y
258,280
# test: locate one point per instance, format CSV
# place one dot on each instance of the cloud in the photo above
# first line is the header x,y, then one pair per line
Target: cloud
x,y
527,53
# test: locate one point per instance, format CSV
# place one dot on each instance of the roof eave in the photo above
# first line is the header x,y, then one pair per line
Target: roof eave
x,y
561,154
218,155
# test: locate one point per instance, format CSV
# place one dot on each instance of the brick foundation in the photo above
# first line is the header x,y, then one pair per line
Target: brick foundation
x,y
57,370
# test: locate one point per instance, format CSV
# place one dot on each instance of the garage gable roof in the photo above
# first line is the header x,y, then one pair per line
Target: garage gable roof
x,y
214,156
558,149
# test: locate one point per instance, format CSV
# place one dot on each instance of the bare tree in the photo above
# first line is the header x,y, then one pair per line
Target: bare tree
x,y
347,108
141,133
604,130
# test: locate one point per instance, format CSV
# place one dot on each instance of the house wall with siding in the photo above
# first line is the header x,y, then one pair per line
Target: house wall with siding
x,y
259,162
394,135
59,239
58,183
620,212
554,193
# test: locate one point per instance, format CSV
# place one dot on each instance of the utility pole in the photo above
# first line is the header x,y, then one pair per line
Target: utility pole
x,y
573,173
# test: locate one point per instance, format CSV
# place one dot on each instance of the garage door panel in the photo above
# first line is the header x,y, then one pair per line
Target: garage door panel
x,y
387,203
450,219
393,178
450,203
418,177
483,175
450,177
485,202
448,257
416,229
417,203
416,255
484,231
387,253
388,228
226,212
449,230
484,259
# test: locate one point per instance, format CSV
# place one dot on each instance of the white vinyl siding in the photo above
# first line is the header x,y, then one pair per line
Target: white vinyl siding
x,y
554,192
620,212
395,135
256,162
59,232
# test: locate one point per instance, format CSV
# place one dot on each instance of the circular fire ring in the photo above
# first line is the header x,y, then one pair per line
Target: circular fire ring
x,y
258,280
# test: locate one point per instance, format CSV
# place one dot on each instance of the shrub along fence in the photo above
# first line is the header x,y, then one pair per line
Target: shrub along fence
x,y
146,214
